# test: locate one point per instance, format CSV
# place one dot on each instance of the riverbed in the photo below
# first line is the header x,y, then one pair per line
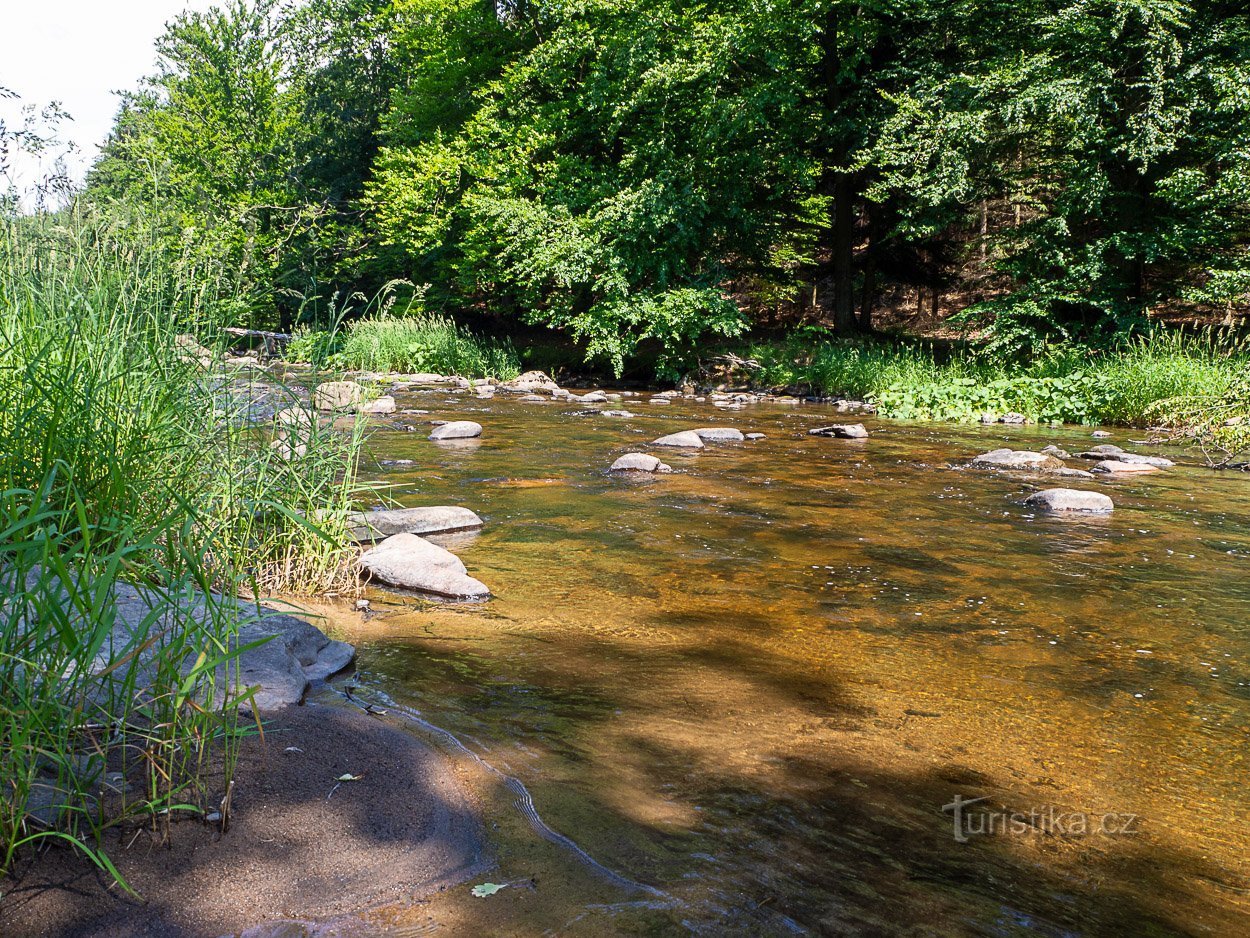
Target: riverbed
x,y
752,690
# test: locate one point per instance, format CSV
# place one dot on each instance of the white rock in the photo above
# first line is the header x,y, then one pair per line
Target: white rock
x,y
338,395
639,462
1116,467
382,405
407,561
686,438
436,519
594,397
719,434
1070,500
530,382
457,430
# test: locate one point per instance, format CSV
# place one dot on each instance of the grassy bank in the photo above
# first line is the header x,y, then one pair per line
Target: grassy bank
x,y
1138,383
122,460
422,342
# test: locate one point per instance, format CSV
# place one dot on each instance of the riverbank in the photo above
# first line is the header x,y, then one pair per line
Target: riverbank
x,y
301,844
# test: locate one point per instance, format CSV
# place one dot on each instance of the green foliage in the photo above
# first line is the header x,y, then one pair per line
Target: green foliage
x,y
420,343
124,462
1131,384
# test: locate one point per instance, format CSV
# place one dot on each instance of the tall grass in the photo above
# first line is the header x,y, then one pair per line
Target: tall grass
x,y
138,498
1128,384
424,342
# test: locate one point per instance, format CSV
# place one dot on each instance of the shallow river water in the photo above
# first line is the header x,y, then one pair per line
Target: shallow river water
x,y
753,685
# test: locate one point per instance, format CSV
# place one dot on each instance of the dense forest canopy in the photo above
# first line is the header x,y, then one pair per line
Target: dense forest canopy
x,y
657,171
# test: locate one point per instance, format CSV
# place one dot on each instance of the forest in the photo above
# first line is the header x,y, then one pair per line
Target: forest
x,y
651,177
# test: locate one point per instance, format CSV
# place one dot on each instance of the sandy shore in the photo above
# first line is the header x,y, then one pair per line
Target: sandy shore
x,y
293,851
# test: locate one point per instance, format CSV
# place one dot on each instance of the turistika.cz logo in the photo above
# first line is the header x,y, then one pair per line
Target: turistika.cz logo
x,y
968,821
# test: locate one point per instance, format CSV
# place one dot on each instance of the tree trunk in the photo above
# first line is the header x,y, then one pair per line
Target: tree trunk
x,y
840,291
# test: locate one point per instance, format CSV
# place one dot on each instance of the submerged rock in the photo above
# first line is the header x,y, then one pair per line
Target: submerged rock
x,y
530,382
686,438
719,434
845,431
338,395
1070,500
1016,459
1118,455
639,462
457,430
616,413
408,562
436,519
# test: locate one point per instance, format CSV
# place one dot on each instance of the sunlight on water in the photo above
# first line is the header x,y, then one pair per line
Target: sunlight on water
x,y
755,683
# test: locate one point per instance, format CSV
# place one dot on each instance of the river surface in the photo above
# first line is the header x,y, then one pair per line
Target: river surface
x,y
752,686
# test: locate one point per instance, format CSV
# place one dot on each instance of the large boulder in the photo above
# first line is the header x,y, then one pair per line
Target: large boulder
x,y
408,562
639,462
530,383
338,395
719,434
435,519
1070,500
845,431
457,430
686,438
1016,459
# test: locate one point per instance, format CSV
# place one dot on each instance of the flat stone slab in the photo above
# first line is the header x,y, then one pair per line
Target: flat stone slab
x,y
382,405
1017,459
844,431
408,562
686,438
1159,462
719,434
1117,467
639,462
434,519
457,430
1075,501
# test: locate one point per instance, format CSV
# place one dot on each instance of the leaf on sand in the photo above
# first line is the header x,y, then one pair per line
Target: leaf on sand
x,y
482,890
348,777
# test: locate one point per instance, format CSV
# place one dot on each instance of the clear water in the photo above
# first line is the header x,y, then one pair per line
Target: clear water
x,y
754,684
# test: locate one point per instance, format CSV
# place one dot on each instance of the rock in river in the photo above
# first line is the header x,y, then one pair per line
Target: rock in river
x,y
1116,467
382,405
639,462
1017,459
1118,455
594,397
845,431
436,519
1070,500
457,430
530,382
719,434
686,438
338,395
407,561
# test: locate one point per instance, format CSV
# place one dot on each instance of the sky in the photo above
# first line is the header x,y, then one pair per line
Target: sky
x,y
79,52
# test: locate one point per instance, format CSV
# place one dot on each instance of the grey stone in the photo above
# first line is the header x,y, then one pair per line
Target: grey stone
x,y
594,397
457,430
755,436
338,395
1070,500
1159,462
435,519
686,438
719,434
529,383
407,561
1117,467
382,405
1013,418
1100,434
639,462
845,431
616,413
1055,451
1021,460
